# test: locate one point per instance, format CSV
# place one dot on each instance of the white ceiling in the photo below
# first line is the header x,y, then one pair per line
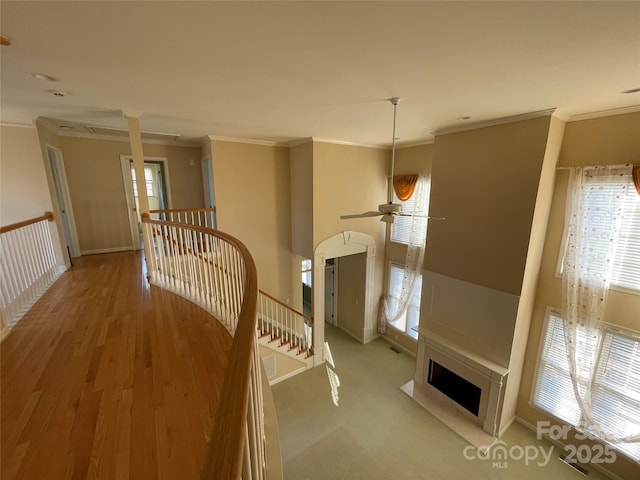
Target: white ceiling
x,y
284,71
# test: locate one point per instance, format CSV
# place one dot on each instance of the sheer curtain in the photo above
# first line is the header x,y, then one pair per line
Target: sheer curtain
x,y
592,225
413,259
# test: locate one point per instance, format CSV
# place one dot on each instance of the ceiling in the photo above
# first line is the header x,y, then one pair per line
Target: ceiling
x,y
285,71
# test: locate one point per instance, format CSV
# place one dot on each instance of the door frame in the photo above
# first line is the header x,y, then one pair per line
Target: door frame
x,y
208,189
59,181
127,180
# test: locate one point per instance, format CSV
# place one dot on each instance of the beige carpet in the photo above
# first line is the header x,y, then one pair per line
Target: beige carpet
x,y
378,432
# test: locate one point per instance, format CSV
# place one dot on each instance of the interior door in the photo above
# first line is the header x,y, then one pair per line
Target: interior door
x,y
330,294
64,202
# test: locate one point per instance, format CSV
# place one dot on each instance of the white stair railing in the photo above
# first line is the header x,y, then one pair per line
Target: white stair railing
x,y
284,324
217,272
28,265
200,217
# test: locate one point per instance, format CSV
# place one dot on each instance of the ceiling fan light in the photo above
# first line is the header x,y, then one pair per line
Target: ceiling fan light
x,y
387,218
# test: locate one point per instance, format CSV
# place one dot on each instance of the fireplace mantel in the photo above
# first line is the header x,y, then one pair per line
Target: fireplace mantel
x,y
482,372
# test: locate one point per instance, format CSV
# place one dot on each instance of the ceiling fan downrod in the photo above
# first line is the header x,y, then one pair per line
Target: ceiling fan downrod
x,y
394,101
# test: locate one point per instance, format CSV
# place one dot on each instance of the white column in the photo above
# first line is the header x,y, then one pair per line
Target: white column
x,y
319,262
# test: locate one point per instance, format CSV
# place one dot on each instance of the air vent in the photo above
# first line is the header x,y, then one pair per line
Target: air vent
x,y
574,465
123,132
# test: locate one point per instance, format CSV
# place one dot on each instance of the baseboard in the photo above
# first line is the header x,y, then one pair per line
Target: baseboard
x,y
560,445
351,334
506,427
288,375
98,251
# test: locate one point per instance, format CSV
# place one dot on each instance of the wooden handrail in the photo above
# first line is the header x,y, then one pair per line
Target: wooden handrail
x,y
226,448
310,319
14,226
185,210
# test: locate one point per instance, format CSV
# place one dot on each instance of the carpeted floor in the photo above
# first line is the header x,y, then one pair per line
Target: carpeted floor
x,y
378,432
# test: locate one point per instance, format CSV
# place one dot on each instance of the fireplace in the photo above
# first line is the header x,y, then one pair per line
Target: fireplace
x,y
461,391
460,381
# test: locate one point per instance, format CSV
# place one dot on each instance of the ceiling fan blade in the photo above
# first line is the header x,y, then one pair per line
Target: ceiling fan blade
x,y
428,217
362,215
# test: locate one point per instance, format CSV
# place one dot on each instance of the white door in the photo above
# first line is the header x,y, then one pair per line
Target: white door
x,y
330,294
63,198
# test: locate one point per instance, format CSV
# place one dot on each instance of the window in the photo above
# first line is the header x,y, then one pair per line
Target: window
x,y
306,272
411,318
616,389
401,227
625,272
148,180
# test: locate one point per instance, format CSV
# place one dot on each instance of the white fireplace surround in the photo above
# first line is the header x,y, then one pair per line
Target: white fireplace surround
x,y
481,372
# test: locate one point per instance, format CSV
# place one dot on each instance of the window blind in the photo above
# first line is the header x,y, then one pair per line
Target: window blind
x,y
625,270
401,228
616,389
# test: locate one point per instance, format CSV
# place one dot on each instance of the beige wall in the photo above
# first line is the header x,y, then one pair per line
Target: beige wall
x,y
24,187
346,180
24,191
301,166
253,201
607,140
485,181
351,270
94,175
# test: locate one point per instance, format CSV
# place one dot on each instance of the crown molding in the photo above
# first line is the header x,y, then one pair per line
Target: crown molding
x,y
349,144
93,136
17,125
416,144
604,113
496,121
250,141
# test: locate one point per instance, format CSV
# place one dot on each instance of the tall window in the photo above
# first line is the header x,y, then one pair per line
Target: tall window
x,y
306,272
401,228
616,389
411,319
625,271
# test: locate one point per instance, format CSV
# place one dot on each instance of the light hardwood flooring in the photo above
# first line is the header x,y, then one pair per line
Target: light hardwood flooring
x,y
106,377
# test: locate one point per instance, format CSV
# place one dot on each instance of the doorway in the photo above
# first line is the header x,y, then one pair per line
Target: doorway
x,y
156,179
63,199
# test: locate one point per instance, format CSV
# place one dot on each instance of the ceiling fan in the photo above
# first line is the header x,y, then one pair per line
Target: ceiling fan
x,y
388,211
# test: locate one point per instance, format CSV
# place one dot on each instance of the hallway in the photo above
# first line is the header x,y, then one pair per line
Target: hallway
x,y
106,377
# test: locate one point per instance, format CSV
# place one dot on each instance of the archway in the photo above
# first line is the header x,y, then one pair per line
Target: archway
x,y
340,245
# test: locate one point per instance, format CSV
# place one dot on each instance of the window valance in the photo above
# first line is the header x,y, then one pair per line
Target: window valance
x,y
405,185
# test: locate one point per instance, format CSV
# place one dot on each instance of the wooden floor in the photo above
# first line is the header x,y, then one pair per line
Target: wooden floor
x,y
107,378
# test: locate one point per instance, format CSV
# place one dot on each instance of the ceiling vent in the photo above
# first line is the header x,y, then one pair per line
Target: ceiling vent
x,y
124,133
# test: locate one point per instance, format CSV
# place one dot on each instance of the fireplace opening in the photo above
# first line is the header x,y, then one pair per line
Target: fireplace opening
x,y
455,387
